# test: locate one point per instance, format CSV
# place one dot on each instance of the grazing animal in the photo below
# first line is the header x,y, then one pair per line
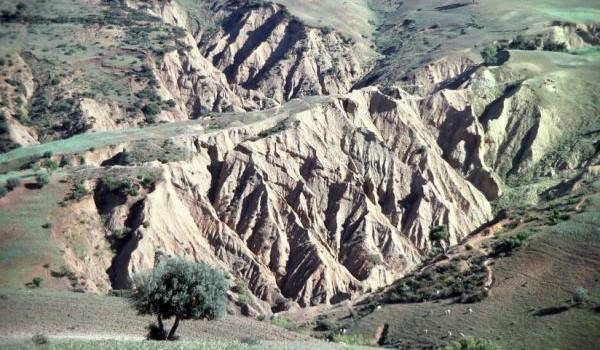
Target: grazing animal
x,y
449,334
448,312
426,330
461,334
470,310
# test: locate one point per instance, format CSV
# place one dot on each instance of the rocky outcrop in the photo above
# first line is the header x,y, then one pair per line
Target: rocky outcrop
x,y
260,56
263,47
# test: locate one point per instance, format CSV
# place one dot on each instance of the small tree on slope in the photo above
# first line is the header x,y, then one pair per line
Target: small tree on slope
x,y
181,289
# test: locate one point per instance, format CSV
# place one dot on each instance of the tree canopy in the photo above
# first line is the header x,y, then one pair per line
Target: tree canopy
x,y
181,289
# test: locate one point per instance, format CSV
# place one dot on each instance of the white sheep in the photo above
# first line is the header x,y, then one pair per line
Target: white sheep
x,y
426,330
449,334
461,334
378,307
448,312
470,310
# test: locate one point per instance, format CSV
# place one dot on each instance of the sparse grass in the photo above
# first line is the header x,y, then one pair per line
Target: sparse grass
x,y
27,244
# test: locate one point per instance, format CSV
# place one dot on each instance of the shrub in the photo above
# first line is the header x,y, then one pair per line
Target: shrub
x,y
580,296
520,43
325,325
64,271
439,233
78,191
3,191
47,154
124,186
181,289
39,339
490,55
42,179
21,7
470,343
12,183
148,181
151,109
554,46
35,283
509,244
50,164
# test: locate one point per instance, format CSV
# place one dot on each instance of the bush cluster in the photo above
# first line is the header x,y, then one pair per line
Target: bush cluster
x,y
507,245
443,282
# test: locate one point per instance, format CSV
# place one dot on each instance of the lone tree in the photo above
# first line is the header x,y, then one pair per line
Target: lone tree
x,y
181,289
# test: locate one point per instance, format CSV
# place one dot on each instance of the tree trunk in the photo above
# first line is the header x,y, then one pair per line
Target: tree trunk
x,y
173,329
160,323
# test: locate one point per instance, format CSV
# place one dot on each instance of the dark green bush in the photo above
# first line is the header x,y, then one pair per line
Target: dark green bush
x,y
12,183
439,233
124,186
42,179
39,339
151,109
490,55
554,46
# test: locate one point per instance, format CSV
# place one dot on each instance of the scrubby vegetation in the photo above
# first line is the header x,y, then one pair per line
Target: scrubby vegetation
x,y
42,179
78,191
460,279
507,245
125,184
181,289
490,55
439,233
12,183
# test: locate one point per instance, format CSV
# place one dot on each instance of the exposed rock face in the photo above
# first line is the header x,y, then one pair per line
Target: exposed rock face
x,y
263,47
17,88
259,57
336,199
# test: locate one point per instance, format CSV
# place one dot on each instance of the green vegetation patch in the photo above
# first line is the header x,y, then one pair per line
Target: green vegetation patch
x,y
452,280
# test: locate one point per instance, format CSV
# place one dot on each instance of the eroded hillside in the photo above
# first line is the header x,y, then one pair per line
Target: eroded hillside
x,y
243,134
